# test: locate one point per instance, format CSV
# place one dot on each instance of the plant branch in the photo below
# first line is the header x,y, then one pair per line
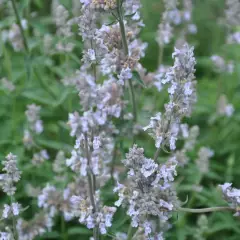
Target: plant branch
x,y
206,210
91,186
126,52
20,25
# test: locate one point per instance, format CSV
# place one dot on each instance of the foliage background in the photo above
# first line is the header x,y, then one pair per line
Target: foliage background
x,y
37,79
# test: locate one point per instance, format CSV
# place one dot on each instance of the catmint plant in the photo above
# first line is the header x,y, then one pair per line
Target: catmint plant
x,y
105,177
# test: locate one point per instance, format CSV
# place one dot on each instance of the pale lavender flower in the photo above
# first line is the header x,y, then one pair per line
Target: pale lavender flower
x,y
148,191
223,107
221,65
5,236
33,117
232,196
202,161
15,37
11,210
8,85
29,230
125,75
11,176
41,157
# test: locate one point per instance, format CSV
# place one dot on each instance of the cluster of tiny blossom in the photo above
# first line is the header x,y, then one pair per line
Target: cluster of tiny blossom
x,y
11,176
202,161
29,230
224,108
221,65
13,35
11,210
164,128
6,236
232,12
84,210
172,16
149,191
33,118
64,24
8,85
54,200
232,196
100,4
190,137
39,158
202,227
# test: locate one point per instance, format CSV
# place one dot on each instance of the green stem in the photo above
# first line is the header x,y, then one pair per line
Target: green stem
x,y
63,229
126,52
133,100
20,25
156,155
130,232
206,210
91,186
14,224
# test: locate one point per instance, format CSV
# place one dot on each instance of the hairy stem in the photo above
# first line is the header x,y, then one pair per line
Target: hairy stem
x,y
130,232
14,224
206,210
63,229
91,186
126,52
20,25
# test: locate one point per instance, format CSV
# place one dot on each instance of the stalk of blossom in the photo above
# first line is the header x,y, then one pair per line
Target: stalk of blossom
x,y
204,155
29,230
101,218
8,85
232,196
15,36
33,118
11,176
173,16
148,192
221,65
223,107
64,24
164,128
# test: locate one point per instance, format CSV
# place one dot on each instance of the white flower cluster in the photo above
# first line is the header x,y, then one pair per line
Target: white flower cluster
x,y
189,137
39,158
232,196
33,118
34,125
11,210
104,45
101,148
202,161
11,176
29,230
175,17
8,85
232,13
224,108
100,5
13,35
149,191
6,236
83,210
221,65
164,128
